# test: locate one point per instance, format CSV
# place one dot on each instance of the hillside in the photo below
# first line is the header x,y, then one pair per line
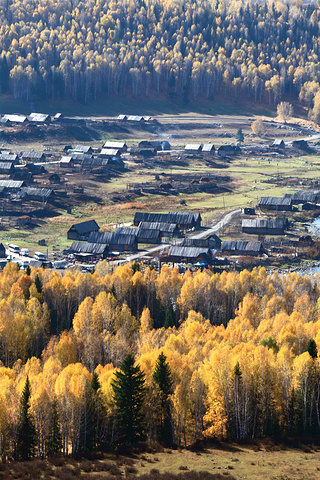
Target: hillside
x,y
186,50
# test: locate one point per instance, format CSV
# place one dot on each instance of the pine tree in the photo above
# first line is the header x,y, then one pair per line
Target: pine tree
x,y
312,348
54,440
169,320
91,417
239,135
162,378
26,440
129,394
38,283
4,75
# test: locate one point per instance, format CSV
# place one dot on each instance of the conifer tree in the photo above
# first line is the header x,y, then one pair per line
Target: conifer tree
x,y
54,440
239,135
312,348
26,440
162,378
91,417
129,394
38,283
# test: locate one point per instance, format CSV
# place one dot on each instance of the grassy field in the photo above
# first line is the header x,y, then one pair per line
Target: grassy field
x,y
229,461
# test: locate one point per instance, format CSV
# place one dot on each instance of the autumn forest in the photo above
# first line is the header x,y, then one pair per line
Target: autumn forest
x,y
73,49
229,356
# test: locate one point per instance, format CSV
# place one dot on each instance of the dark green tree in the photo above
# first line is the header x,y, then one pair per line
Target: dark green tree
x,y
135,267
54,440
162,379
38,283
91,417
312,348
239,135
28,270
129,393
169,320
26,439
4,75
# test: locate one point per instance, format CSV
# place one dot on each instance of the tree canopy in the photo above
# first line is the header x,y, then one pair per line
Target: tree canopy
x,y
73,49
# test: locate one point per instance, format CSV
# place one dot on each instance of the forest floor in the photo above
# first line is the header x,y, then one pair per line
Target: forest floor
x,y
264,459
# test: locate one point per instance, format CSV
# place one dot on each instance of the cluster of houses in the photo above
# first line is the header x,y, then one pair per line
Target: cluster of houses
x,y
134,118
149,228
309,200
38,119
89,243
88,158
298,144
19,190
209,149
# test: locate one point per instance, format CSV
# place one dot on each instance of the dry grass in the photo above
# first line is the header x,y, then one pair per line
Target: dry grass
x,y
267,460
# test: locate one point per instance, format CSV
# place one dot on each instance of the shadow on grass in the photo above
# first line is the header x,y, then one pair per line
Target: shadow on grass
x,y
153,105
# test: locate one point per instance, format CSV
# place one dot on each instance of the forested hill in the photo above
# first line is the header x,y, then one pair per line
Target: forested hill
x,y
190,49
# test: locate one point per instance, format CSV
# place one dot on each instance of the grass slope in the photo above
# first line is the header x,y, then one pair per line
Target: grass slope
x,y
155,105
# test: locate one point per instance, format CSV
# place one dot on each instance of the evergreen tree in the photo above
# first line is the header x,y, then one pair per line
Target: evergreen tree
x,y
54,440
26,440
91,417
4,75
312,348
239,135
38,283
169,320
129,394
162,378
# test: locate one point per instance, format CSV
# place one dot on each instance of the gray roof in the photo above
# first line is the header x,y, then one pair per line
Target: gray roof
x,y
14,118
95,162
82,148
303,196
208,147
109,238
122,117
38,117
86,227
12,183
117,145
194,147
187,252
135,118
80,157
163,227
241,246
275,201
278,141
109,152
6,165
66,159
36,192
271,223
181,218
33,155
8,157
87,247
127,230
148,234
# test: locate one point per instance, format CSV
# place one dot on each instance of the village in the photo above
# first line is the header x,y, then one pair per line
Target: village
x,y
42,182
